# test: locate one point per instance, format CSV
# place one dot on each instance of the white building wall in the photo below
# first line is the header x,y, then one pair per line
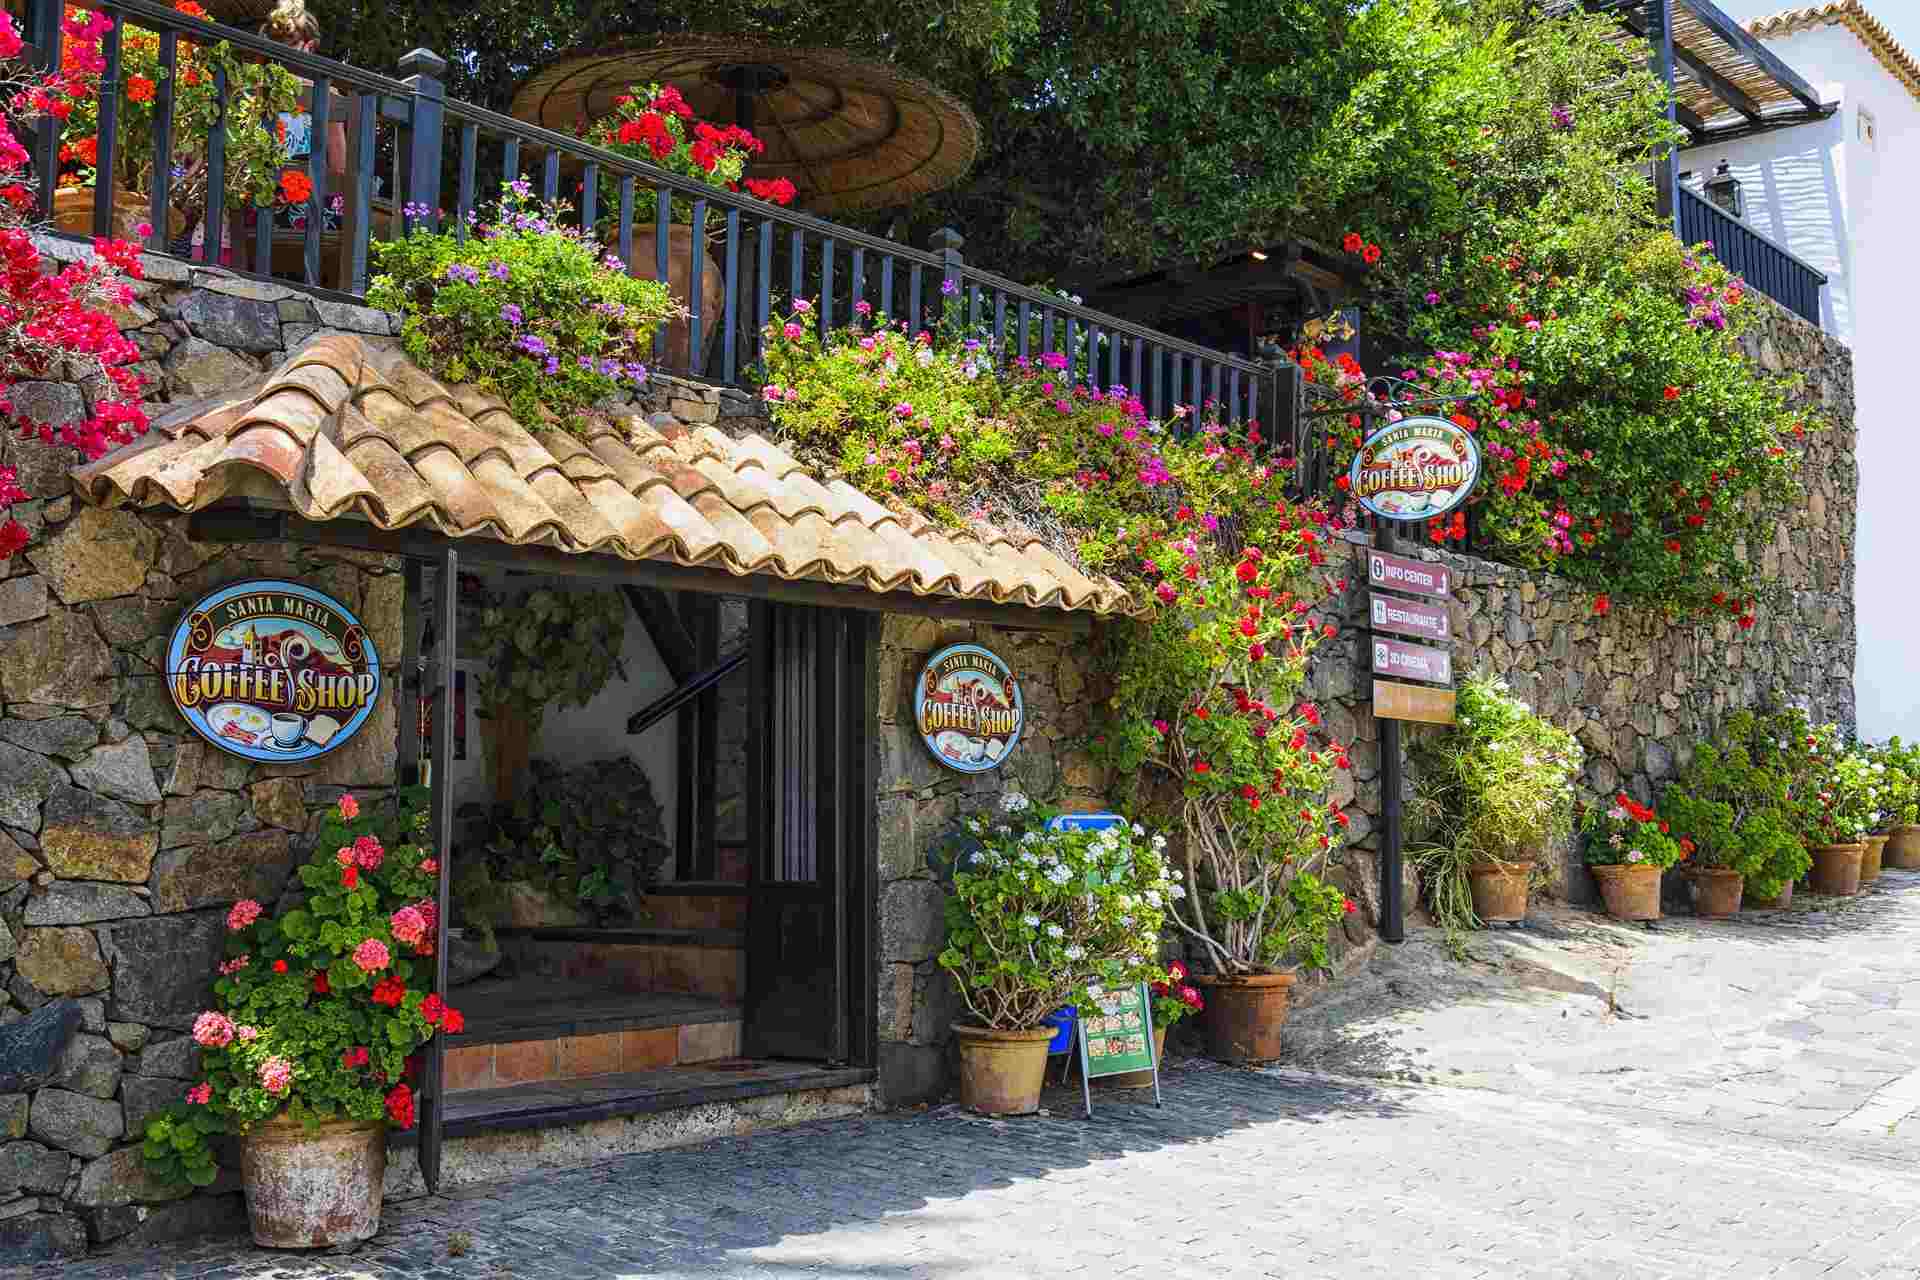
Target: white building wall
x,y
1852,208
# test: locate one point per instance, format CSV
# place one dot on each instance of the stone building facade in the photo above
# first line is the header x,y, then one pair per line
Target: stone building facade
x,y
124,838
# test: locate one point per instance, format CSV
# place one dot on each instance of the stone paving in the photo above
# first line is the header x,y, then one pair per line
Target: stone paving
x,y
1736,1103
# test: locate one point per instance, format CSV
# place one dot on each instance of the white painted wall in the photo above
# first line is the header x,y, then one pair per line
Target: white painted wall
x,y
1851,208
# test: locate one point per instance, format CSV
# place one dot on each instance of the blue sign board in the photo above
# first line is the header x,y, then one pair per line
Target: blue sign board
x,y
1085,822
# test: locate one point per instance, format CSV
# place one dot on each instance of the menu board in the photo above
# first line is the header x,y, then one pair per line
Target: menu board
x,y
1118,1033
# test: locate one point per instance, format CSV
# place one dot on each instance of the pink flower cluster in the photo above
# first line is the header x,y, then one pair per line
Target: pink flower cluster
x,y
368,853
201,1094
230,967
372,955
244,913
408,925
213,1030
349,807
276,1075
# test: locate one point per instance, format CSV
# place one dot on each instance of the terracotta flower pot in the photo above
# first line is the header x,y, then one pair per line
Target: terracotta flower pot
x,y
1139,1079
1001,1071
645,265
73,212
1871,853
1499,890
1244,1014
1836,869
1631,892
1716,891
307,1189
1775,903
1903,849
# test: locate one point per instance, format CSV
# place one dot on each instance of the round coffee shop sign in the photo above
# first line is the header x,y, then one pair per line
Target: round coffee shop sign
x,y
272,671
969,708
1415,469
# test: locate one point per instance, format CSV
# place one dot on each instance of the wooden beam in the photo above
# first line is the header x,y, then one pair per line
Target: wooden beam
x,y
664,628
254,524
1744,43
1716,84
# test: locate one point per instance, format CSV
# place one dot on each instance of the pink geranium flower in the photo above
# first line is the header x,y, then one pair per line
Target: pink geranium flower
x,y
201,1094
408,925
244,913
247,1034
372,955
349,807
276,1075
213,1030
368,853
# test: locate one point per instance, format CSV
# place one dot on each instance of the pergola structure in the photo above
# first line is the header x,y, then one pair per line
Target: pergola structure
x,y
1726,83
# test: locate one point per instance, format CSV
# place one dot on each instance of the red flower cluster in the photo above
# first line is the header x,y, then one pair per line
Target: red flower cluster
x,y
389,991
400,1106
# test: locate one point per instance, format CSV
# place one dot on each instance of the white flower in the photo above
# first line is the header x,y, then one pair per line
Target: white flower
x,y
1139,830
1030,920
1159,843
1176,874
1153,898
1617,813
1074,953
1178,891
1615,840
977,859
1634,855
1059,874
1055,932
1014,802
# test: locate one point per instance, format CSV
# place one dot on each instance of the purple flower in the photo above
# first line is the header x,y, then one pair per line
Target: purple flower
x,y
532,345
1562,117
463,273
498,270
610,367
949,286
1433,299
863,308
511,314
586,362
553,365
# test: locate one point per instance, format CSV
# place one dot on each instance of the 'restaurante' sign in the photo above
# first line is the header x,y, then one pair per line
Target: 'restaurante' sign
x,y
272,671
1415,469
1409,617
969,708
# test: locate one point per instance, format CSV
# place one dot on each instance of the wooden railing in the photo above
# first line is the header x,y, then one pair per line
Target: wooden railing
x,y
1769,267
430,154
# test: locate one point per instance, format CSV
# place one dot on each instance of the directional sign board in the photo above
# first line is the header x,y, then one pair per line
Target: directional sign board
x,y
1411,661
1409,617
1415,577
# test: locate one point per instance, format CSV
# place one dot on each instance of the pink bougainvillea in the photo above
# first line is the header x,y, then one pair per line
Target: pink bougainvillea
x,y
213,1030
372,955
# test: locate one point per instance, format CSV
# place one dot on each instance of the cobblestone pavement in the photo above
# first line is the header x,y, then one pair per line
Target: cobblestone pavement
x,y
1735,1103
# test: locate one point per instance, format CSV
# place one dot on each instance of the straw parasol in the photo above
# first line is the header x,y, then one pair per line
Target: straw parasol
x,y
848,132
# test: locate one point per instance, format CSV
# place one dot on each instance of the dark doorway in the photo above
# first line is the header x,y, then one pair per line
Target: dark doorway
x,y
809,909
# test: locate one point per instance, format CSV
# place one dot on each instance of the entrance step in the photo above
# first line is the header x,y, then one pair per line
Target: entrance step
x,y
526,1031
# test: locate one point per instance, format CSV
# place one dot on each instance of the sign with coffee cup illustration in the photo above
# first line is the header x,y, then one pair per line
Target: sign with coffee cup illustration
x,y
1415,469
273,671
969,708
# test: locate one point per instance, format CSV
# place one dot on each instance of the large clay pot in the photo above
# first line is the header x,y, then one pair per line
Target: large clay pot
x,y
1903,849
1752,902
1630,892
1001,1071
311,1188
1836,869
1499,890
73,212
1244,1014
1716,891
645,265
1140,1079
1871,851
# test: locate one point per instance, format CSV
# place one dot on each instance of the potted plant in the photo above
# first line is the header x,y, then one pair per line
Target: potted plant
x,y
309,1054
655,124
1840,811
1493,794
1781,743
1903,805
1628,846
1036,918
1174,998
1731,813
255,154
523,308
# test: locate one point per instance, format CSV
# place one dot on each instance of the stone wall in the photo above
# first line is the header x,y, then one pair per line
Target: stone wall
x,y
920,802
124,838
1637,690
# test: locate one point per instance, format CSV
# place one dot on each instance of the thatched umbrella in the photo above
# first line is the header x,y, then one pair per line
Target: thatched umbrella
x,y
848,132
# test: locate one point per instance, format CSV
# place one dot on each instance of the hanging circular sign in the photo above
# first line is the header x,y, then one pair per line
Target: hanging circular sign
x,y
272,671
1415,469
969,708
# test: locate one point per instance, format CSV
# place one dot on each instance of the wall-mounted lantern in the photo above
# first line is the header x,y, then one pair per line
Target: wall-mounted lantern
x,y
1724,190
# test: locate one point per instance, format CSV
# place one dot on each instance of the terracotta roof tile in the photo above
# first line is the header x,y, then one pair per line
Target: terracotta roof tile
x,y
349,428
1852,15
